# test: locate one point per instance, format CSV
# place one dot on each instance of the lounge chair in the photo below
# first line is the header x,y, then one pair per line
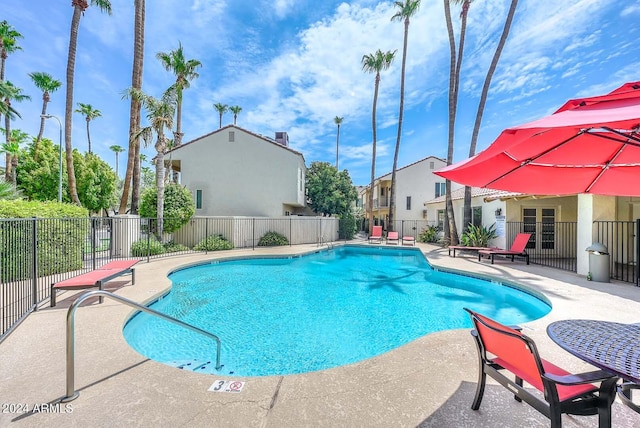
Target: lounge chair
x,y
392,238
95,278
467,248
517,249
410,240
376,234
505,350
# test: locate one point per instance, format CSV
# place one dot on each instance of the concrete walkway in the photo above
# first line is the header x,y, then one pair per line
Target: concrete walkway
x,y
429,382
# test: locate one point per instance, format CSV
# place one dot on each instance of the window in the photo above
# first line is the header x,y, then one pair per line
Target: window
x,y
232,136
198,199
440,189
408,203
543,219
476,216
432,165
287,213
441,219
300,179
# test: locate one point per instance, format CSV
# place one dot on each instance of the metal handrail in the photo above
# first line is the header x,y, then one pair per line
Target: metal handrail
x,y
72,394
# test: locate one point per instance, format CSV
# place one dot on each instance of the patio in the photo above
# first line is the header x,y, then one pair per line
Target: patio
x,y
429,382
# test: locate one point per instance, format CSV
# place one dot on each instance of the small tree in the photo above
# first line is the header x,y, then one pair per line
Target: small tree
x,y
96,182
330,191
178,206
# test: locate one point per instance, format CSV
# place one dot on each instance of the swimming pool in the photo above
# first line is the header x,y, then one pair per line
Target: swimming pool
x,y
298,314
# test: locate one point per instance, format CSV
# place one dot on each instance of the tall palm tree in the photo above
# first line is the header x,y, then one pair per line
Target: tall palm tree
x,y
12,93
132,174
79,7
89,114
338,121
185,71
221,109
6,89
236,111
160,114
450,230
375,63
116,149
483,101
8,44
406,10
47,84
12,148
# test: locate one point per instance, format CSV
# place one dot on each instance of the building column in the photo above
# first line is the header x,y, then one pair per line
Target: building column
x,y
591,208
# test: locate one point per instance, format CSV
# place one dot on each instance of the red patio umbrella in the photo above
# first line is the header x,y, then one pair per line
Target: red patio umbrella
x,y
589,145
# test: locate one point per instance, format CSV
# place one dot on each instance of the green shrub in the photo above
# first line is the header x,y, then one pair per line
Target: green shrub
x,y
144,247
213,243
347,227
174,247
178,206
272,239
61,230
478,236
429,234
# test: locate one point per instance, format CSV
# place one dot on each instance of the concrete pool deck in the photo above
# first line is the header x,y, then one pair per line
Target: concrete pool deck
x,y
429,382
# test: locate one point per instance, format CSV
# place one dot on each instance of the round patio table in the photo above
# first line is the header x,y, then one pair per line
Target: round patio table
x,y
610,346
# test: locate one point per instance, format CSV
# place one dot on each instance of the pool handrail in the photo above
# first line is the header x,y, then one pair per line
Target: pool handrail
x,y
71,394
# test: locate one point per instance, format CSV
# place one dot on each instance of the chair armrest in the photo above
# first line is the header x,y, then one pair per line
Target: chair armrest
x,y
581,378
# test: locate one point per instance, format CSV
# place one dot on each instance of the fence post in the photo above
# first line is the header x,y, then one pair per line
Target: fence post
x,y
148,239
253,233
290,230
206,234
34,261
93,243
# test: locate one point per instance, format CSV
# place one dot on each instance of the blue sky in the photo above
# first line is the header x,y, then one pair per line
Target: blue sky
x,y
293,65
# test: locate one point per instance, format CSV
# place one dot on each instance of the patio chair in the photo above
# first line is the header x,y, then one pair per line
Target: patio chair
x,y
392,238
408,240
505,349
376,234
467,248
96,278
517,249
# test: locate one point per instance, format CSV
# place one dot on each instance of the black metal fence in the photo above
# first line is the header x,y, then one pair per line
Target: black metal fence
x,y
37,252
623,243
552,244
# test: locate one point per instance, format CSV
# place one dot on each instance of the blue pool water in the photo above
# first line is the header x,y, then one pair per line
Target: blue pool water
x,y
279,316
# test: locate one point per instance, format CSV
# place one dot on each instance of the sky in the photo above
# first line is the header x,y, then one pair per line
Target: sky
x,y
294,65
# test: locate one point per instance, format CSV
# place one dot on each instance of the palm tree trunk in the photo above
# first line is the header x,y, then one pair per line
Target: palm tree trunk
x,y
220,119
41,131
160,184
177,136
88,135
71,63
450,231
337,146
7,156
373,156
392,194
134,114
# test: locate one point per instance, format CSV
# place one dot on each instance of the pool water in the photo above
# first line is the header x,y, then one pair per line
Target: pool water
x,y
277,316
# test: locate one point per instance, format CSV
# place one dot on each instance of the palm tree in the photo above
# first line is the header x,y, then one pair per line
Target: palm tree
x,y
8,191
185,71
116,149
132,174
236,111
12,93
8,44
6,89
79,7
375,63
160,114
406,10
89,114
221,109
483,101
450,230
47,84
338,121
12,149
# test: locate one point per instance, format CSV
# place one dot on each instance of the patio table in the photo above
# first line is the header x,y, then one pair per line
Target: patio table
x,y
610,346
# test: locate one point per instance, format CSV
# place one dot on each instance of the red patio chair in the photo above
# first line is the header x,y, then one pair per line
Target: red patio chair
x,y
376,234
393,237
505,349
517,249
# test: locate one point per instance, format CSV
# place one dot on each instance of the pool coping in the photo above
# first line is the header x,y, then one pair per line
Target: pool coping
x,y
428,382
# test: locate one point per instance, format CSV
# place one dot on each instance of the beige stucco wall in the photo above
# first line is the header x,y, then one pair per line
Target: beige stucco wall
x,y
249,176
